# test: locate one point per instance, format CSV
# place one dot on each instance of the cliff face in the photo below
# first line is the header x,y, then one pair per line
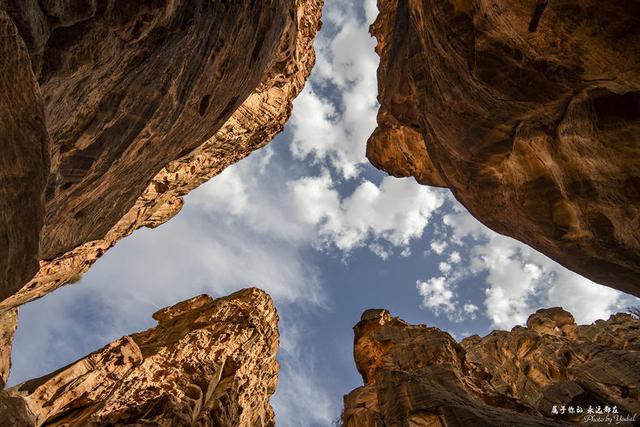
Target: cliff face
x,y
417,375
8,325
529,111
141,104
24,161
207,363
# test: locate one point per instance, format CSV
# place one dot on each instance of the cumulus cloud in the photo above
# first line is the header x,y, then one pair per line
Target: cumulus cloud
x,y
517,279
437,295
438,247
336,112
470,309
394,213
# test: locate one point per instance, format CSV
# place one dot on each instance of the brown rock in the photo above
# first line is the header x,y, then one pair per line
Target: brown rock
x,y
142,108
8,325
417,375
400,151
529,113
24,161
207,363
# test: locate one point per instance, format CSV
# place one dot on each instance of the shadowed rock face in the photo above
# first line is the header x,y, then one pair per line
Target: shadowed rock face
x,y
417,375
142,102
529,111
24,160
8,325
207,363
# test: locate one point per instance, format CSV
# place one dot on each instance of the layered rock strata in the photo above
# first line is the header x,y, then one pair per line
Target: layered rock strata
x,y
419,375
141,104
207,363
529,111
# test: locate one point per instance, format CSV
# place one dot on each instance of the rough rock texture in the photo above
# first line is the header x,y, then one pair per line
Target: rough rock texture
x,y
143,102
24,160
415,375
207,363
8,325
529,111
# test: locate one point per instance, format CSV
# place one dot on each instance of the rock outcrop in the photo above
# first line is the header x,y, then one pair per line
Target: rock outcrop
x,y
137,103
419,375
207,363
8,325
529,111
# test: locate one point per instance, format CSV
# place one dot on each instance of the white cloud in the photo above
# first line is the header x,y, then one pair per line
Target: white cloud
x,y
470,309
444,268
438,247
519,280
396,212
437,295
298,385
228,195
333,125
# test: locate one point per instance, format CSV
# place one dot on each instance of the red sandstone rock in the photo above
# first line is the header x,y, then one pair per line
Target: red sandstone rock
x,y
529,112
417,375
207,363
143,102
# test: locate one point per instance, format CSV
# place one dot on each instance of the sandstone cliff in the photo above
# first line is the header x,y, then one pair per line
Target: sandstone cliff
x,y
529,111
207,363
419,375
137,103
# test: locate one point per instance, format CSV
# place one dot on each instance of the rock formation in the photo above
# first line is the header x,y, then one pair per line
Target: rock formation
x,y
137,103
8,325
207,363
529,111
419,375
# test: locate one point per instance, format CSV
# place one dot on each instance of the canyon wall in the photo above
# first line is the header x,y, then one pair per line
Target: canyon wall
x,y
207,363
529,111
419,375
137,104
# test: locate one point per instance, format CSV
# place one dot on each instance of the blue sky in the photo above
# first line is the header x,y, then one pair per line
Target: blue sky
x,y
327,235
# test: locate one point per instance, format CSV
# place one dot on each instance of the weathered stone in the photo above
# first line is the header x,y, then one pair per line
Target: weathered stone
x,y
8,325
417,375
24,161
142,108
207,363
529,112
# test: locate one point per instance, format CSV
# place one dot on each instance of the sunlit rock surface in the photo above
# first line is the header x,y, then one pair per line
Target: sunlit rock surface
x,y
416,375
207,363
138,103
529,111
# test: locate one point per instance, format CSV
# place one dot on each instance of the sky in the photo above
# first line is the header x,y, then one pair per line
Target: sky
x,y
311,222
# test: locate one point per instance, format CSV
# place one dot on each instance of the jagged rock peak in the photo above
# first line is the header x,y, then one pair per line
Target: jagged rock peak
x,y
207,363
529,111
419,375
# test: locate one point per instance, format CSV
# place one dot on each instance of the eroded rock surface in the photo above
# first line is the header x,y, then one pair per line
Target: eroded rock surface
x,y
24,160
419,375
142,103
529,111
8,325
207,363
